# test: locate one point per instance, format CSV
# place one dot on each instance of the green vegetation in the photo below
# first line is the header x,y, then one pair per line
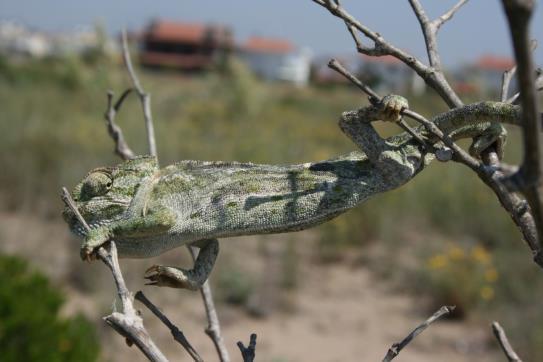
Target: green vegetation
x,y
52,132
30,326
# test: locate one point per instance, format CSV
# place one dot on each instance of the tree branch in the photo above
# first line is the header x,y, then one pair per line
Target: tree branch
x,y
499,333
127,323
213,329
397,347
145,98
177,334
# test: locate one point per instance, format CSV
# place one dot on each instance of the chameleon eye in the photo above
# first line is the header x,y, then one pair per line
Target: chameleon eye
x,y
96,184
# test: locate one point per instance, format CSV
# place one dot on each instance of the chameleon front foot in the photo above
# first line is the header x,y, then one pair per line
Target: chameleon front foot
x,y
94,239
167,276
392,105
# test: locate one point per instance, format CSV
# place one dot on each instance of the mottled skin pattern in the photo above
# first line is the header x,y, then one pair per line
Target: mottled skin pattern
x,y
148,210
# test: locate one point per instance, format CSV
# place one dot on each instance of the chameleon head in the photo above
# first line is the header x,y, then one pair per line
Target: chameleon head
x,y
105,194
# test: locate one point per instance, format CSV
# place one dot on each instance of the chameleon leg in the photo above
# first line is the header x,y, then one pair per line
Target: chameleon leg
x,y
169,276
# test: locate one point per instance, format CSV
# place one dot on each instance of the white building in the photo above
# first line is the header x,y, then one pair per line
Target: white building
x,y
276,59
388,74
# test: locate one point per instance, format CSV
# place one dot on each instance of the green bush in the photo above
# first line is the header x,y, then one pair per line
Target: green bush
x,y
30,326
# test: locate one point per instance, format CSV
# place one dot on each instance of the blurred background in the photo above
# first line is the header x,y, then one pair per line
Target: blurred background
x,y
247,81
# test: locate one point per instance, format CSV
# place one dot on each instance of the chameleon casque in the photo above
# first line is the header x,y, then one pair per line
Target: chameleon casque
x,y
148,210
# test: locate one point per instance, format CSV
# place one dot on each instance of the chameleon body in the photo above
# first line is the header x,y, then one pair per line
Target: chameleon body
x,y
147,210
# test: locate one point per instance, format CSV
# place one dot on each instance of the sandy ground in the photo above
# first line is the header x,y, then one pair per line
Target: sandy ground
x,y
337,312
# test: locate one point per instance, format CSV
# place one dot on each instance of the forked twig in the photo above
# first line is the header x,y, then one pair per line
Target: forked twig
x,y
115,132
145,98
397,347
248,353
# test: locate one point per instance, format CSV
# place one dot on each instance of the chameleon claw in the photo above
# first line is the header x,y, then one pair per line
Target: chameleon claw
x,y
165,276
393,105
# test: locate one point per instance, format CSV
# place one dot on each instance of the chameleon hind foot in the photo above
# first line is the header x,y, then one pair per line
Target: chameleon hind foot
x,y
495,135
169,276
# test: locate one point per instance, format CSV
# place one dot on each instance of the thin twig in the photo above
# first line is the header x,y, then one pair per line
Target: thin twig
x,y
397,347
508,77
506,82
449,14
127,323
177,334
248,353
499,333
145,98
121,147
213,329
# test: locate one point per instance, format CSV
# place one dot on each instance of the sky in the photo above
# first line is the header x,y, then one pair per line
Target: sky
x,y
478,28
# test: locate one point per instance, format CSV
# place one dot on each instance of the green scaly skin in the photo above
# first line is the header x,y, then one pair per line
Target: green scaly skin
x,y
148,210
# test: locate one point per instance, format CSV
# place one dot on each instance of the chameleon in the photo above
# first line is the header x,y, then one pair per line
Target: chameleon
x,y
148,210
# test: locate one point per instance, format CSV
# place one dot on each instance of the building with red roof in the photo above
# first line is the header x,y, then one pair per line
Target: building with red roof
x,y
185,46
485,74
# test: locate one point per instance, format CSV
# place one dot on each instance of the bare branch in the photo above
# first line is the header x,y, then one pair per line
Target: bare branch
x,y
145,98
248,354
128,323
397,347
381,47
448,15
213,329
121,147
177,334
528,179
504,343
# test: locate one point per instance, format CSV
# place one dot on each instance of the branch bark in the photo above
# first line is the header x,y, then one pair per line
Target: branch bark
x,y
499,333
528,178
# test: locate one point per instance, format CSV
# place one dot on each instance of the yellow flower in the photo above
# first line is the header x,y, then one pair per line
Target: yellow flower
x,y
487,293
438,261
491,275
456,253
480,255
